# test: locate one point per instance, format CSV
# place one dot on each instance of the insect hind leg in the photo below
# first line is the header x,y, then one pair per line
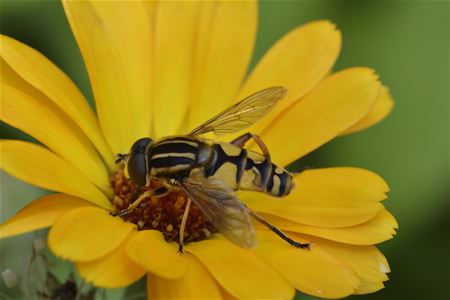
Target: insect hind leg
x,y
243,139
273,228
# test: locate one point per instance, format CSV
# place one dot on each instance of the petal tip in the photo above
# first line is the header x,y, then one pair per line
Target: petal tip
x,y
327,25
324,23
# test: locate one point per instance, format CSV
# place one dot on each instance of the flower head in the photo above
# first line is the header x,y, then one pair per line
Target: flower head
x,y
164,71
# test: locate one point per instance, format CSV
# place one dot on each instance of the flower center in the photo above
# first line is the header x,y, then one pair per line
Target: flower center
x,y
160,213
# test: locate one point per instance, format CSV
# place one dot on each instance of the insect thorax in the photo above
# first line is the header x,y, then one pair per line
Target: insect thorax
x,y
175,156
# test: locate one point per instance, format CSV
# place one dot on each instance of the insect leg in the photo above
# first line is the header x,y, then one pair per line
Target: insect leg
x,y
278,231
159,192
136,193
183,225
120,157
241,140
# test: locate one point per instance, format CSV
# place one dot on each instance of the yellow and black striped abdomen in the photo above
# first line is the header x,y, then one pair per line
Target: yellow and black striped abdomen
x,y
261,174
247,170
280,182
227,163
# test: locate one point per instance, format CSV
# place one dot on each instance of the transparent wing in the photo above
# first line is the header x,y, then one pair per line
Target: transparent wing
x,y
242,114
219,204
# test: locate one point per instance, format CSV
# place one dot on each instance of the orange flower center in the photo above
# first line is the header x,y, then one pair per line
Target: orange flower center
x,y
160,213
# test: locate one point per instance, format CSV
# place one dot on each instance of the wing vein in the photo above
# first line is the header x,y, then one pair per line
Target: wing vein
x,y
242,114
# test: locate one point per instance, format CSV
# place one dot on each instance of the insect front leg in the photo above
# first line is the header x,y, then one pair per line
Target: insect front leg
x,y
243,139
183,225
158,192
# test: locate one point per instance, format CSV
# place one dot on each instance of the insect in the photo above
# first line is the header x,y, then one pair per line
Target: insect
x,y
209,172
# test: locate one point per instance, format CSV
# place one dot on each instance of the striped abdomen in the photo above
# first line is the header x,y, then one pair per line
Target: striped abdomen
x,y
247,170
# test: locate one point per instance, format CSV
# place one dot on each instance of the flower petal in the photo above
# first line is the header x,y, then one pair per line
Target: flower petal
x,y
382,107
225,40
314,271
175,43
374,231
38,166
87,234
229,263
36,70
40,213
298,61
368,287
331,197
226,295
112,271
149,249
334,105
33,113
197,283
117,54
367,262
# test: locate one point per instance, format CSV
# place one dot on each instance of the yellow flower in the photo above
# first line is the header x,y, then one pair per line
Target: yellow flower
x,y
163,68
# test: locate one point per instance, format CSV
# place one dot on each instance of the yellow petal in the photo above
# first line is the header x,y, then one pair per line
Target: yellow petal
x,y
226,295
298,62
368,263
331,197
36,70
42,212
382,107
175,43
197,283
368,287
334,105
37,116
225,40
377,230
314,271
240,271
112,271
149,249
115,39
87,234
38,166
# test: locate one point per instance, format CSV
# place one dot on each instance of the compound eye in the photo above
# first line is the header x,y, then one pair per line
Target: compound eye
x,y
137,162
137,168
140,145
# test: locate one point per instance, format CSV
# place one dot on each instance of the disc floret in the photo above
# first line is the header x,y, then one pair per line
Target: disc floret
x,y
160,213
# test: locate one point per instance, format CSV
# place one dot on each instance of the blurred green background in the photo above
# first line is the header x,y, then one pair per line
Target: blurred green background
x,y
406,42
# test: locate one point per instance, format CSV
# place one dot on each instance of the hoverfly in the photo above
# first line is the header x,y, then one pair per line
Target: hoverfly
x,y
209,172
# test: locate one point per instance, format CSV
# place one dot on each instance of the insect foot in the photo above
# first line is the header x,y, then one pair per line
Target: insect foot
x,y
306,246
